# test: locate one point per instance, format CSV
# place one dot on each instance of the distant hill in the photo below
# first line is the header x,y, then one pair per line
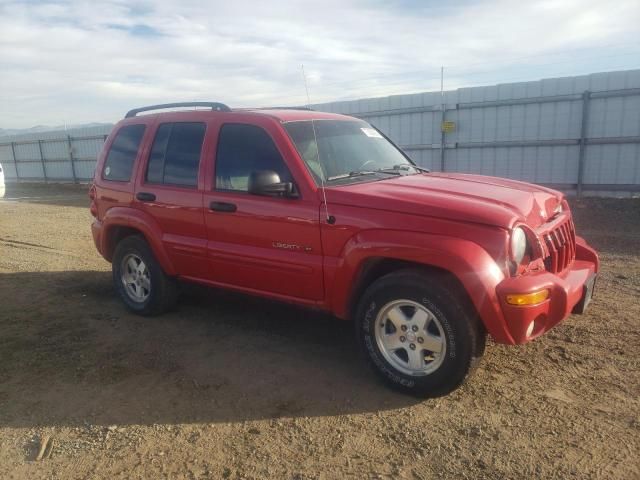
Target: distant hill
x,y
47,128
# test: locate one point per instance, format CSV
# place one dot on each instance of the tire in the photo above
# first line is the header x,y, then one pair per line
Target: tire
x,y
157,292
443,319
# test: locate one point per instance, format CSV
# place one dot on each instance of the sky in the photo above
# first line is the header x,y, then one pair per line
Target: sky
x,y
73,62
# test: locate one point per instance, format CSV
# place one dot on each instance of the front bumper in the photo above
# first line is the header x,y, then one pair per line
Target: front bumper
x,y
566,293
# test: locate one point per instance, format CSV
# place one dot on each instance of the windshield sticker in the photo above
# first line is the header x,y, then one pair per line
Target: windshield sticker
x,y
371,132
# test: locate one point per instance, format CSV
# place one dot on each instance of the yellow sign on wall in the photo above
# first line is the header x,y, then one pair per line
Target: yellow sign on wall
x,y
448,126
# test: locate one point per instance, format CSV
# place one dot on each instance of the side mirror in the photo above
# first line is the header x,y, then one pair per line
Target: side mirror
x,y
267,182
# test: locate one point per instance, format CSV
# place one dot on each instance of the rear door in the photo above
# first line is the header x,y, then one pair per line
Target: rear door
x,y
169,189
114,175
260,243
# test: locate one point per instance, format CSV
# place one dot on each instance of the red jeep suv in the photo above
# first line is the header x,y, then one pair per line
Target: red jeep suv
x,y
323,210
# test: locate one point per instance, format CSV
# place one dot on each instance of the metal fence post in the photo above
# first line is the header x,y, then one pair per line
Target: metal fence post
x,y
442,137
15,161
73,166
44,168
586,97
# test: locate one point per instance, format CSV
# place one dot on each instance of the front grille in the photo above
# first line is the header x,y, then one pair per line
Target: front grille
x,y
561,246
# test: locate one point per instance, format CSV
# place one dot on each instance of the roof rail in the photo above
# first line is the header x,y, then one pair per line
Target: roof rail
x,y
286,108
219,107
273,108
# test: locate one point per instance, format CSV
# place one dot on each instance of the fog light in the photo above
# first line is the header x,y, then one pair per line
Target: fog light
x,y
523,299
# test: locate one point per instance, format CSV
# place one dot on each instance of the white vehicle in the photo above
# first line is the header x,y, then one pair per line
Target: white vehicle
x,y
1,181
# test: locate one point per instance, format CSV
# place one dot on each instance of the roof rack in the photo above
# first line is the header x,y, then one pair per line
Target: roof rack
x,y
286,108
273,108
218,107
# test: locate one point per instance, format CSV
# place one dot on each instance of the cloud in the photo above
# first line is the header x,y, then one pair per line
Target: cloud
x,y
76,61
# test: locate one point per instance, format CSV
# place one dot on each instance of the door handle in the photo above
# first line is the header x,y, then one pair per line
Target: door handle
x,y
145,196
222,207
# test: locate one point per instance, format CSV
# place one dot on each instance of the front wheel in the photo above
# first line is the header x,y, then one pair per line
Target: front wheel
x,y
418,333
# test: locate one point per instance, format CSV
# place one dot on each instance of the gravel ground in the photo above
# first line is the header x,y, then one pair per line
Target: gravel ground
x,y
231,387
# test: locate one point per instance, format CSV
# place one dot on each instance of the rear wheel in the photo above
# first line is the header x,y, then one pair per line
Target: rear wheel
x,y
418,333
139,279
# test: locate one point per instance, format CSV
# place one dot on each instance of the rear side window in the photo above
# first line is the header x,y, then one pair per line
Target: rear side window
x,y
175,154
122,153
243,149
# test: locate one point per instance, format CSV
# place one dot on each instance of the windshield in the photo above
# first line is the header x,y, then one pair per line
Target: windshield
x,y
348,149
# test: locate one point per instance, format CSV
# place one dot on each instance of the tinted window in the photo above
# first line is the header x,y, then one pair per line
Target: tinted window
x,y
243,149
175,154
155,167
122,154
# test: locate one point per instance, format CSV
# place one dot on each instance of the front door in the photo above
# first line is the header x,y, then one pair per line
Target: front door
x,y
260,243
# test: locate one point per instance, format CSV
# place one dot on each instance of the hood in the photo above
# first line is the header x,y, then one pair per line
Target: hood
x,y
471,198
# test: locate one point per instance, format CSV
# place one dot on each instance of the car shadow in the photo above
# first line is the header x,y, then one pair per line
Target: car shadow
x,y
70,354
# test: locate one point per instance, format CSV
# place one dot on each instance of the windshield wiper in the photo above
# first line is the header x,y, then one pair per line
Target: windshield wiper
x,y
395,170
402,167
351,175
390,170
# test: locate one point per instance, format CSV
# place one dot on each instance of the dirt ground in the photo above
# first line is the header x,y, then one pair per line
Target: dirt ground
x,y
231,387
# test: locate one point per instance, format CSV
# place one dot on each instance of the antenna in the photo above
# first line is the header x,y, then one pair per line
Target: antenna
x,y
330,220
442,115
306,86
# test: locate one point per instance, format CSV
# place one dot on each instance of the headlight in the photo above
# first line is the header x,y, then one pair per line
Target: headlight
x,y
518,245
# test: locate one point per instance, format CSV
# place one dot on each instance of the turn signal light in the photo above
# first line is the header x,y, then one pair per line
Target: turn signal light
x,y
523,299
